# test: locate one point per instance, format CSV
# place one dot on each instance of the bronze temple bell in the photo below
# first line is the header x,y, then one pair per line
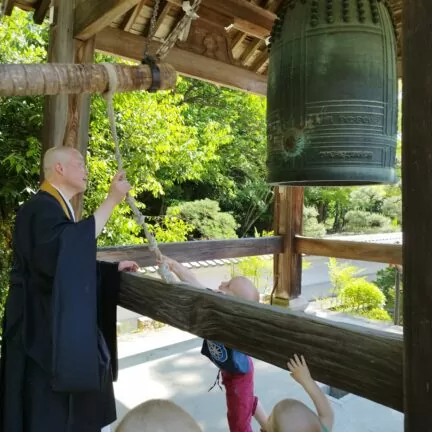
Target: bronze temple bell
x,y
332,94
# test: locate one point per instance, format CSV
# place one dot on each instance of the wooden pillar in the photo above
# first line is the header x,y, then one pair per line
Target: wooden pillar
x,y
66,118
417,213
77,127
61,49
288,222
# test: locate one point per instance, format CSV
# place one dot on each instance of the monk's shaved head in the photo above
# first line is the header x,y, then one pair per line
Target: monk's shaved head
x,y
57,155
64,168
158,415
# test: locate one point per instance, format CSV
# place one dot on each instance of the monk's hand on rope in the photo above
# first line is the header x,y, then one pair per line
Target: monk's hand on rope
x,y
119,187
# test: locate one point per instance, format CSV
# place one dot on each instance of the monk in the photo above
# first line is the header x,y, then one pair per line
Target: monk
x,y
59,352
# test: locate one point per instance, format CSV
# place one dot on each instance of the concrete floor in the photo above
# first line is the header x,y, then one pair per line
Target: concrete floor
x,y
167,364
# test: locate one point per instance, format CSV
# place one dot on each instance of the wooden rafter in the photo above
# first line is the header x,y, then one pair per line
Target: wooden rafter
x,y
131,46
160,19
250,50
243,10
272,5
238,40
260,60
41,11
132,15
247,17
251,29
7,7
93,16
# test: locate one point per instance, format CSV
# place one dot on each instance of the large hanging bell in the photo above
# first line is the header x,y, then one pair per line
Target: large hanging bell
x,y
332,94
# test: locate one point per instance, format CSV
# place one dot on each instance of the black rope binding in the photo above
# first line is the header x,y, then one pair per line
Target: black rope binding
x,y
155,71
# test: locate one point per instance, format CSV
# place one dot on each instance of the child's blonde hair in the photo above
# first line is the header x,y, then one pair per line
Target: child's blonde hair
x,y
158,415
290,415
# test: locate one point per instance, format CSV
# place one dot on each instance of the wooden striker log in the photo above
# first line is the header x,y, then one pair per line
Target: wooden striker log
x,y
56,78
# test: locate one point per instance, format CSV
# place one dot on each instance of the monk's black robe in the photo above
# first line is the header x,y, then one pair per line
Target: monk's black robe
x,y
59,352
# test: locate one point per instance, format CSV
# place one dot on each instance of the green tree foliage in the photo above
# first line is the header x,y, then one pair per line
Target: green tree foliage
x,y
311,226
207,219
386,279
386,282
238,179
367,198
359,294
21,41
332,204
392,208
367,222
159,150
341,274
355,294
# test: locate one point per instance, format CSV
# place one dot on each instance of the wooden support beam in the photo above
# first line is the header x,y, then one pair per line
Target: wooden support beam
x,y
363,361
195,250
246,17
244,11
52,79
160,19
61,49
93,16
288,213
260,60
251,29
7,7
250,50
417,213
131,46
41,11
78,121
375,252
238,40
132,15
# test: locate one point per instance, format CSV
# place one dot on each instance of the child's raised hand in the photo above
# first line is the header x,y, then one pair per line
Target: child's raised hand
x,y
299,369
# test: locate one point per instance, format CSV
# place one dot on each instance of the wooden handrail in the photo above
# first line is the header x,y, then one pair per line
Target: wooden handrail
x,y
195,250
375,252
202,250
360,360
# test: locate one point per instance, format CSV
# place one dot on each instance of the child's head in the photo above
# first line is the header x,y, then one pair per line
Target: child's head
x,y
240,286
157,415
291,415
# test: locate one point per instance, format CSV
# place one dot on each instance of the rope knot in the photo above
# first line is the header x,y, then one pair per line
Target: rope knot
x,y
112,80
189,10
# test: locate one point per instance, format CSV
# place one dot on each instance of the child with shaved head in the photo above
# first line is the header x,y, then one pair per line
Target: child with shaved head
x,y
158,415
236,368
291,415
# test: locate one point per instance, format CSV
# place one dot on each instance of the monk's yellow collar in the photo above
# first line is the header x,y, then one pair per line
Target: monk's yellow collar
x,y
49,188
